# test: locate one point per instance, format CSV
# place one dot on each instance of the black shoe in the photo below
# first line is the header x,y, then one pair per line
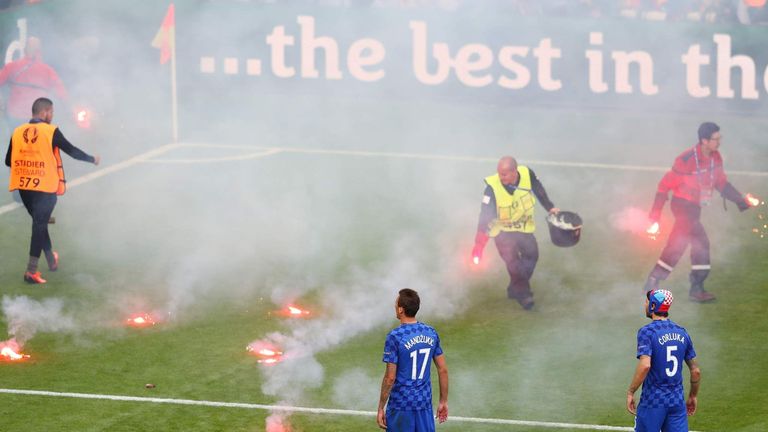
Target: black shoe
x,y
527,303
701,296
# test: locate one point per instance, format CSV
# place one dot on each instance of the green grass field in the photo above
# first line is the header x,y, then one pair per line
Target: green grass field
x,y
216,245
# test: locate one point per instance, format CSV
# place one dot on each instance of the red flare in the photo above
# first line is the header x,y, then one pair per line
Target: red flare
x,y
753,200
83,118
10,351
476,260
292,311
265,352
141,320
653,231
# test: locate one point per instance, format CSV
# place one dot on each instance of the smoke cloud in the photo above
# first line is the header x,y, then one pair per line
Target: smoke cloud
x,y
26,317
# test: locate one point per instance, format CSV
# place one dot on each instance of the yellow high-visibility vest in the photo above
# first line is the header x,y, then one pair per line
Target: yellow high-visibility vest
x,y
514,212
35,163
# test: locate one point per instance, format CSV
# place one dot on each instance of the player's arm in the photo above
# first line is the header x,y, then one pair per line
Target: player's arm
x,y
386,387
442,375
641,371
691,404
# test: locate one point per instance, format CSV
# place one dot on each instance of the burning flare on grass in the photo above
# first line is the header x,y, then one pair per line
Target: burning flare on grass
x,y
292,311
265,352
278,422
11,351
141,320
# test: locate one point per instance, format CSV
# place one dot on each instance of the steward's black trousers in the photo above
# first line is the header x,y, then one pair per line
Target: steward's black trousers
x,y
40,206
520,253
687,230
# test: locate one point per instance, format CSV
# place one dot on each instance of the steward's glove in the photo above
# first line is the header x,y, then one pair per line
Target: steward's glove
x,y
743,204
731,194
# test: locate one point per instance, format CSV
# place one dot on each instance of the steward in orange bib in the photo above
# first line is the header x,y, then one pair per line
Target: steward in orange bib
x,y
507,215
37,173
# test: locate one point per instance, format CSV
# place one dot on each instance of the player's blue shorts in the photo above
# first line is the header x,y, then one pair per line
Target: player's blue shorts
x,y
661,419
410,421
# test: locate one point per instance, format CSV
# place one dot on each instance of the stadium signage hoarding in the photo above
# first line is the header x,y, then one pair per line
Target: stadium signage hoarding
x,y
226,49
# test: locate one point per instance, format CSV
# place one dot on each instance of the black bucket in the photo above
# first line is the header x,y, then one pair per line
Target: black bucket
x,y
564,228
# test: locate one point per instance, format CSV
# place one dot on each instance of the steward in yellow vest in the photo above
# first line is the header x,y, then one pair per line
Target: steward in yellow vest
x,y
514,211
507,215
37,173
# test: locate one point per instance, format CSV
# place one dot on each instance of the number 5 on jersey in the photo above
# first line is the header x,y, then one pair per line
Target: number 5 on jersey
x,y
673,359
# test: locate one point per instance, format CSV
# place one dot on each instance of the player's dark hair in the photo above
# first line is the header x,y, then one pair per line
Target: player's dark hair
x,y
40,105
707,129
409,301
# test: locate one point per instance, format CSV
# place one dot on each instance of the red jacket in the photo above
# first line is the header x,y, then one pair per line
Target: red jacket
x,y
29,79
693,178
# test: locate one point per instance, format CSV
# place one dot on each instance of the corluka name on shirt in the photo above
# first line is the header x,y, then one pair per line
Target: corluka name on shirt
x,y
671,337
419,339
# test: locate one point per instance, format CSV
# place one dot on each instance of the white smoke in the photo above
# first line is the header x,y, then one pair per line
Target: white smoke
x,y
361,302
630,219
26,317
355,389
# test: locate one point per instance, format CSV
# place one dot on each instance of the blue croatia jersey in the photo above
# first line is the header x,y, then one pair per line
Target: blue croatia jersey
x,y
669,346
411,347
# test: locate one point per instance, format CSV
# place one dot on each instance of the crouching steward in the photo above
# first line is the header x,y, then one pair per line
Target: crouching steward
x,y
37,173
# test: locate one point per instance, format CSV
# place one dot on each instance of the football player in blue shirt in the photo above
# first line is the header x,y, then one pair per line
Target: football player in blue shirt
x,y
407,352
662,347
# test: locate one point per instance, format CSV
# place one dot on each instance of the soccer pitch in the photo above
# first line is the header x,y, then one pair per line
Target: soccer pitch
x,y
216,237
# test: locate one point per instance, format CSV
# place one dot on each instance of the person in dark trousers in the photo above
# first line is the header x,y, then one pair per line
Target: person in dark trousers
x,y
506,215
37,173
693,177
662,348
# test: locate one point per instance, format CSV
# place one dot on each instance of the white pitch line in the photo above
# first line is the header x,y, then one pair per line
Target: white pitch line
x,y
248,156
104,171
429,156
287,408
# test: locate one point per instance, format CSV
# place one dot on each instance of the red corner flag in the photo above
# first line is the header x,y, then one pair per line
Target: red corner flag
x,y
165,39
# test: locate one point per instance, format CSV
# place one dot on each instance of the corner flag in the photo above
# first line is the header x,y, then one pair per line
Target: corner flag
x,y
165,39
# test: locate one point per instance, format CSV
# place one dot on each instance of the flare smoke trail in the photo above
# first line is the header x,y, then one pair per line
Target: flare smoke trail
x,y
26,317
356,305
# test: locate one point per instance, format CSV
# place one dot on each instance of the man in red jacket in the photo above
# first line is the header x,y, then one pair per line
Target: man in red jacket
x,y
692,179
29,79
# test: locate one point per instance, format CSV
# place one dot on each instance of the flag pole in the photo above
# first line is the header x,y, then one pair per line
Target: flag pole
x,y
174,98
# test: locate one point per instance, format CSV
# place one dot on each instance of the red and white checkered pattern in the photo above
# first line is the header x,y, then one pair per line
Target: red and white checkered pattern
x,y
666,303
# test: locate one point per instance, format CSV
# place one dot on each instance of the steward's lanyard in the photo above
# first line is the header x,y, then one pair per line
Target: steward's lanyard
x,y
705,200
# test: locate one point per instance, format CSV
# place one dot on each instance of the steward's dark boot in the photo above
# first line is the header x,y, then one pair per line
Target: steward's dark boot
x,y
699,295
